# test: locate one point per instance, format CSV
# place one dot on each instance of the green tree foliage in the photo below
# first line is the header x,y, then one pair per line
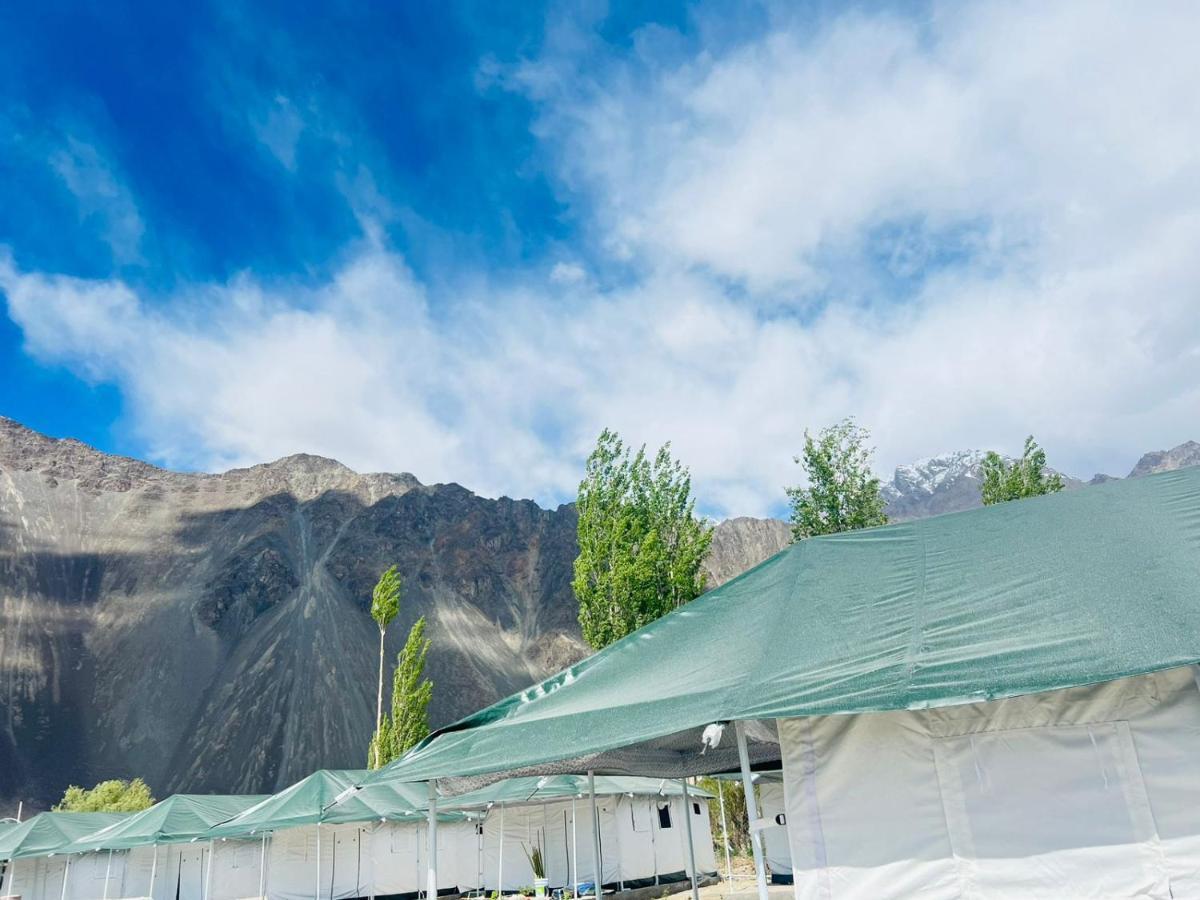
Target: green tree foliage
x,y
735,815
385,604
640,543
842,494
408,723
108,796
1025,477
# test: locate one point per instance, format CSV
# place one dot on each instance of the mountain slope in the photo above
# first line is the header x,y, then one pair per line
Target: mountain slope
x,y
210,632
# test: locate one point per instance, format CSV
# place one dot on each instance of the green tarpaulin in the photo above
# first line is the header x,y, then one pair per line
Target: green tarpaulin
x,y
1079,587
535,789
49,832
183,817
328,797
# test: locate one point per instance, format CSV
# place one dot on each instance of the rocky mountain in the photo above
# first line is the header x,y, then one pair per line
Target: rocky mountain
x,y
211,632
952,482
738,544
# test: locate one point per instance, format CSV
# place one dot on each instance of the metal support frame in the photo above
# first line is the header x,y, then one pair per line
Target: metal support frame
x,y
687,818
760,868
598,867
725,834
262,868
431,881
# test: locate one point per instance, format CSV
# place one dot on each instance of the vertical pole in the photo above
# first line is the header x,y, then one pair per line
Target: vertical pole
x,y
262,868
687,817
500,867
153,872
212,851
66,872
760,868
574,853
317,886
598,868
107,870
651,812
725,836
431,876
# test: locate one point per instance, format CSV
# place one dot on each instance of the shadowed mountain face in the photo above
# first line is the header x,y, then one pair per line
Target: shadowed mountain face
x,y
211,632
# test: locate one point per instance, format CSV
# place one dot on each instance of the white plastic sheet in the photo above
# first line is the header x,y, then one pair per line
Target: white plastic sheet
x,y
1086,792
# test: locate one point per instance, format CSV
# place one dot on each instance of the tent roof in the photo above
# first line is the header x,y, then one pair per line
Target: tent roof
x,y
50,832
327,797
179,818
1050,592
551,787
303,803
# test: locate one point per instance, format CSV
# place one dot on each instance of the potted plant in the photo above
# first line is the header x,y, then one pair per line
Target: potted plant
x,y
537,862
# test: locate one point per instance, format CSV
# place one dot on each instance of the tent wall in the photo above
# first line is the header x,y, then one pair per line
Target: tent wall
x,y
635,843
775,838
236,869
394,857
1096,787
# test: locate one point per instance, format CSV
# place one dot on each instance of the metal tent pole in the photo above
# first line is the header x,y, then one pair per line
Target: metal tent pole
x,y
574,853
212,851
431,875
66,872
598,867
687,817
760,868
500,866
725,834
153,872
107,870
262,868
317,886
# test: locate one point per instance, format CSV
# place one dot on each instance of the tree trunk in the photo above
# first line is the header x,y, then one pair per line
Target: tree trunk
x,y
378,704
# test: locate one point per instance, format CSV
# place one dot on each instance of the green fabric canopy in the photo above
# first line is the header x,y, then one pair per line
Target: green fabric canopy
x,y
50,832
1051,592
328,797
182,817
536,789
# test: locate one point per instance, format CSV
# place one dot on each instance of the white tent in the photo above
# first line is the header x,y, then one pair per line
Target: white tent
x,y
775,836
643,841
1088,792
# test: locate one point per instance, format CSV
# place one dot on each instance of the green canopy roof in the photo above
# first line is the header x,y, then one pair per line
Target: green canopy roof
x,y
534,789
182,817
1051,592
328,796
50,832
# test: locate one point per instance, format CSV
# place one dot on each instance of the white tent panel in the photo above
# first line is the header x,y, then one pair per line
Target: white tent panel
x,y
775,838
237,869
1087,792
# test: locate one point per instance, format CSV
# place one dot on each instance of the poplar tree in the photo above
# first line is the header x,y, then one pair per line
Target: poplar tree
x,y
408,723
385,604
1005,480
641,544
842,493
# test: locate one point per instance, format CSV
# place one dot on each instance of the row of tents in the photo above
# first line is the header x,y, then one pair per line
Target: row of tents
x,y
1003,702
323,838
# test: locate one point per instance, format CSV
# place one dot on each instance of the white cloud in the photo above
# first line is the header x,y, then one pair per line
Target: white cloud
x,y
1025,178
100,195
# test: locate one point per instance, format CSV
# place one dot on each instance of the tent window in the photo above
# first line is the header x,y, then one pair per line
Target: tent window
x,y
664,816
695,808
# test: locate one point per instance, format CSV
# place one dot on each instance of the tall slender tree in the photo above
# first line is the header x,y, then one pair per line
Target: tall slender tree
x,y
842,493
1005,480
641,544
385,604
408,723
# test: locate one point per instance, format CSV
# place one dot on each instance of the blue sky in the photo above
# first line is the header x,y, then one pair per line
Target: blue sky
x,y
459,239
